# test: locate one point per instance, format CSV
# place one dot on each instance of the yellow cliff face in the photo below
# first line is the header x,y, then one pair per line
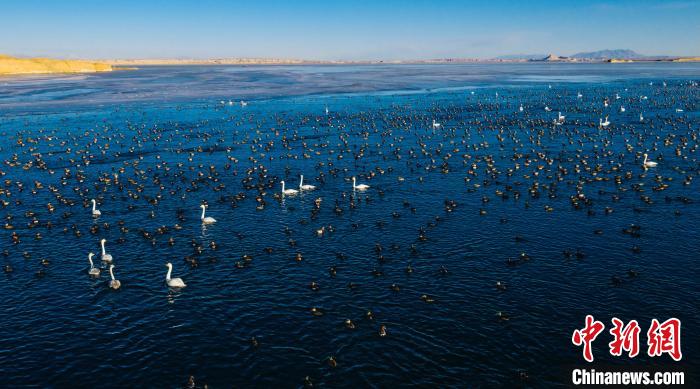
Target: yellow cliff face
x,y
11,65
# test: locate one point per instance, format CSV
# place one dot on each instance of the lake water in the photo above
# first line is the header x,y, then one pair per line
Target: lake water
x,y
494,194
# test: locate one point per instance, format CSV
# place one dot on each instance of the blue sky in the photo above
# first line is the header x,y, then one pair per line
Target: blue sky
x,y
344,29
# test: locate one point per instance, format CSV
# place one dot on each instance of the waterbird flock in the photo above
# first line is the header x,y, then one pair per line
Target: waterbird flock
x,y
482,144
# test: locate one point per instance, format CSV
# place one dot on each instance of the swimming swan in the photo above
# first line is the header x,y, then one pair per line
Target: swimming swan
x,y
105,257
290,192
305,187
173,282
358,187
648,164
94,271
208,219
95,212
114,283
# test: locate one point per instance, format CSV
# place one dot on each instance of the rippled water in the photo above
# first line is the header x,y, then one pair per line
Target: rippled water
x,y
174,146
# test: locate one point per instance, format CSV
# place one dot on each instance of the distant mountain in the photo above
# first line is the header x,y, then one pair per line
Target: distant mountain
x,y
609,54
553,58
513,57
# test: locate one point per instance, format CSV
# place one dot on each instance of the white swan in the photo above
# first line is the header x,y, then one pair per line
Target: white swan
x,y
173,282
327,111
114,283
244,103
602,123
290,192
95,212
521,109
105,257
305,187
436,124
547,109
94,271
208,219
622,109
641,117
648,164
579,95
360,187
561,118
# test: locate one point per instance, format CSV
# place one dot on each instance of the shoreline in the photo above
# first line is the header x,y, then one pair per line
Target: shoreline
x,y
19,67
30,66
248,61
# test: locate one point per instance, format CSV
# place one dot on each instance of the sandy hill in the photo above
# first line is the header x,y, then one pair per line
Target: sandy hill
x,y
12,65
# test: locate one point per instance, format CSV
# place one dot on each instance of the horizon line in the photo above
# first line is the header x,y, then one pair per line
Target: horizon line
x,y
502,57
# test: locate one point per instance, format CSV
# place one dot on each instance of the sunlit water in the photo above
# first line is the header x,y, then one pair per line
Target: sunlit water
x,y
61,327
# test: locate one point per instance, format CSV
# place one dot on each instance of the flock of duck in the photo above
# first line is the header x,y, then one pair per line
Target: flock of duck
x,y
495,145
178,282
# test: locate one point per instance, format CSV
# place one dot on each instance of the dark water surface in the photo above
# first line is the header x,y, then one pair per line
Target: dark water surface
x,y
521,184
